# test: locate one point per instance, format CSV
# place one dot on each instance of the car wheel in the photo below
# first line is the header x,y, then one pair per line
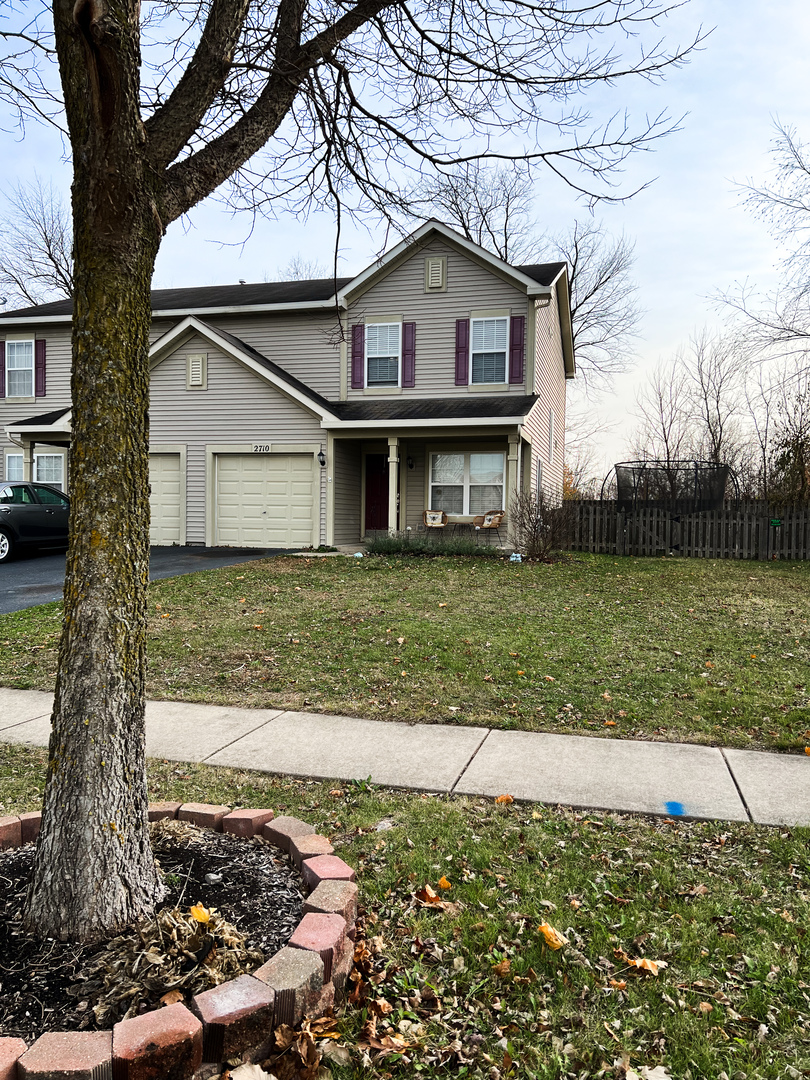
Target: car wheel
x,y
6,546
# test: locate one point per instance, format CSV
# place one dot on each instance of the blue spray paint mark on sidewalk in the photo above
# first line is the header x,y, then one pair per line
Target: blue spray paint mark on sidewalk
x,y
675,809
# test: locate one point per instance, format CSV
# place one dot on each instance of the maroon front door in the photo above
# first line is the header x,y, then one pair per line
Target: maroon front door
x,y
376,492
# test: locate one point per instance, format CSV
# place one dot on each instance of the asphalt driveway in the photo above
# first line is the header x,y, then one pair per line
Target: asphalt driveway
x,y
37,577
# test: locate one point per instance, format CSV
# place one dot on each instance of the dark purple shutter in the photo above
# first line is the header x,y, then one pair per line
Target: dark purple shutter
x,y
358,356
462,352
517,337
409,354
39,368
2,369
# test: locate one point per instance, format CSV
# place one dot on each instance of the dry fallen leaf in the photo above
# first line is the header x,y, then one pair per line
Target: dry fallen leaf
x,y
442,605
504,799
428,896
200,913
172,997
553,938
502,969
444,883
618,984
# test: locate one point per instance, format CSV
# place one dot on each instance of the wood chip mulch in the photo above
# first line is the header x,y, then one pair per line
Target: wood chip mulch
x,y
250,902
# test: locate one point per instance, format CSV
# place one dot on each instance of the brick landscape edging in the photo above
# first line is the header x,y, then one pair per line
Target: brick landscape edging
x,y
235,1019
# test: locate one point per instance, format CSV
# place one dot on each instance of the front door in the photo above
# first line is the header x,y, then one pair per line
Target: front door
x,y
376,492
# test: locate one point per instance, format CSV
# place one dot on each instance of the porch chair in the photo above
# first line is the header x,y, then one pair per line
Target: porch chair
x,y
434,519
493,519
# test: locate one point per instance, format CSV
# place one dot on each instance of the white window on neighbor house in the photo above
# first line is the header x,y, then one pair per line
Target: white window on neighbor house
x,y
19,369
466,483
383,343
489,342
14,467
50,469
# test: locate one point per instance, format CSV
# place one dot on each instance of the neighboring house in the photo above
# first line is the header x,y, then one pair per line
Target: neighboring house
x,y
298,413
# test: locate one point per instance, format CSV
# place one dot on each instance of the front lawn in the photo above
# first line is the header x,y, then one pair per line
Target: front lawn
x,y
674,649
683,957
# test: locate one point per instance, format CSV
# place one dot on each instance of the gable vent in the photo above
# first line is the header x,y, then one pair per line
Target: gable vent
x,y
435,273
196,372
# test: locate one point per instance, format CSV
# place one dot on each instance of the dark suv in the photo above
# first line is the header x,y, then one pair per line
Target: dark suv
x,y
31,515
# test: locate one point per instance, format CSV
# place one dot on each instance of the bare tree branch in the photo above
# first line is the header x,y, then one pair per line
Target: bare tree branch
x,y
36,260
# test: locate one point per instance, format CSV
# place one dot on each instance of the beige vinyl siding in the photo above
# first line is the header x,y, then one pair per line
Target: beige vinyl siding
x,y
57,384
238,407
550,390
415,485
470,287
346,470
307,345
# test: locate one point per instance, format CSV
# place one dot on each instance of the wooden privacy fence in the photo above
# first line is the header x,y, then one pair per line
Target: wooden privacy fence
x,y
753,531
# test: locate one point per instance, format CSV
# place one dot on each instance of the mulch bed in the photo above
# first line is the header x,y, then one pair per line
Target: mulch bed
x,y
48,985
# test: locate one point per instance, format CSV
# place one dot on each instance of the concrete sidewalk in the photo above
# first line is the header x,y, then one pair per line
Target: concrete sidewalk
x,y
606,774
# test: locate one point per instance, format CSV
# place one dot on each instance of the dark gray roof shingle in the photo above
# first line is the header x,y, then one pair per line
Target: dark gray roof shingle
x,y
457,407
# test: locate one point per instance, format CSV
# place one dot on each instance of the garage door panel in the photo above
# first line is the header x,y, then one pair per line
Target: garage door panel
x,y
266,500
165,500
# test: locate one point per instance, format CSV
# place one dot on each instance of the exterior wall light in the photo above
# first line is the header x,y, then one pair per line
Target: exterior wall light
x,y
322,459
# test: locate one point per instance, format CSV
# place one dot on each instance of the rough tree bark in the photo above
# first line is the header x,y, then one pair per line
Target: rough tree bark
x,y
96,874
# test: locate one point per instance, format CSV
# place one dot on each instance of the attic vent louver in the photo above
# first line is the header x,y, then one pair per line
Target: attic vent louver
x,y
196,372
435,273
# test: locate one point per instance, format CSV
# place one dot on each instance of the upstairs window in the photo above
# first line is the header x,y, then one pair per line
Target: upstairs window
x,y
489,343
382,354
20,369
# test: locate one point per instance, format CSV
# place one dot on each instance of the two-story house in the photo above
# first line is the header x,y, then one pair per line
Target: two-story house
x,y
297,413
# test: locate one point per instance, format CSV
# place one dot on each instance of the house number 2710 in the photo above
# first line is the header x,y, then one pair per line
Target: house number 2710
x,y
261,448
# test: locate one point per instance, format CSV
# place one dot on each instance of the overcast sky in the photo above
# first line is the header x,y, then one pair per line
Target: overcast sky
x,y
691,235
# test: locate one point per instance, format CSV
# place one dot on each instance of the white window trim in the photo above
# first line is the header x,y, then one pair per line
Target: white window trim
x,y
9,456
22,339
466,451
49,453
500,383
384,386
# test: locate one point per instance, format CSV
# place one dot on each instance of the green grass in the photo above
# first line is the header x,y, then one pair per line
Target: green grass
x,y
723,905
693,650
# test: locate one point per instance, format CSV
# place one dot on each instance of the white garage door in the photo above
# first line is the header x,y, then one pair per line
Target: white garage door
x,y
165,499
265,500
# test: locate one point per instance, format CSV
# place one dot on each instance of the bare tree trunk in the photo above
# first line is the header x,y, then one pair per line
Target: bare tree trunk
x,y
94,867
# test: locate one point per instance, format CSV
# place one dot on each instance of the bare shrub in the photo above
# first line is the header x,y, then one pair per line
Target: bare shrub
x,y
541,525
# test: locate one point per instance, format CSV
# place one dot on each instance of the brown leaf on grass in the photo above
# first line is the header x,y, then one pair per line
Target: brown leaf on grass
x,y
428,896
380,1007
502,969
504,800
649,966
618,984
705,1007
553,938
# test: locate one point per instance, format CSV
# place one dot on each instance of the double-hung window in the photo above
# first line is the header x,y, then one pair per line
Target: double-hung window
x,y
383,344
466,483
489,345
20,369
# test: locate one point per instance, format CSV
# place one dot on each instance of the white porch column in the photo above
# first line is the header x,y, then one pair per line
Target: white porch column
x,y
28,461
512,479
393,486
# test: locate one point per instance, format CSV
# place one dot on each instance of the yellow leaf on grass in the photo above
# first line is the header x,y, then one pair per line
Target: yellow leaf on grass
x,y
609,723
504,799
553,938
442,605
444,883
200,913
807,749
650,966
